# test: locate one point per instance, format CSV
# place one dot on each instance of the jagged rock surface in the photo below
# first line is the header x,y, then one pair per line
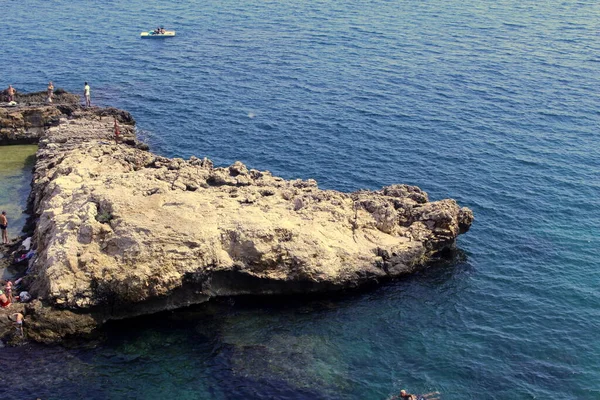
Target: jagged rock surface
x,y
123,232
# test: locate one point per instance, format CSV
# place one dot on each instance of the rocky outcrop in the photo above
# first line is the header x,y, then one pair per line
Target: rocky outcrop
x,y
123,232
26,122
26,125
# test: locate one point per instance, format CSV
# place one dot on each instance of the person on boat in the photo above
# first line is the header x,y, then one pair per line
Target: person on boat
x,y
162,30
11,93
86,93
3,226
157,30
50,92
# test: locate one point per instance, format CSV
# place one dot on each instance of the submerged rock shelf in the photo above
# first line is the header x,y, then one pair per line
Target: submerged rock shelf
x,y
122,232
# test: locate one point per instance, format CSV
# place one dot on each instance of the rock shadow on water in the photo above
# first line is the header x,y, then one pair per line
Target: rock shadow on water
x,y
237,347
264,371
247,349
236,354
157,357
38,371
448,265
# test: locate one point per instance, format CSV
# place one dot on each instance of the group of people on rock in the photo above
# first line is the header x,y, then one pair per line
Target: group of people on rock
x,y
6,299
11,92
7,287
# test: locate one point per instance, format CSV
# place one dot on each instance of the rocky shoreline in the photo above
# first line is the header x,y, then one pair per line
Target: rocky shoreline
x,y
121,232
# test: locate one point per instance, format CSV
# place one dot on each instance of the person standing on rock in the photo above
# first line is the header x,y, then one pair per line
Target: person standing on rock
x,y
11,93
50,92
86,94
3,226
117,132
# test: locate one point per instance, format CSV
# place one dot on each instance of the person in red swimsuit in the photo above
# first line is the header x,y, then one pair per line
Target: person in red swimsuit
x,y
8,290
4,300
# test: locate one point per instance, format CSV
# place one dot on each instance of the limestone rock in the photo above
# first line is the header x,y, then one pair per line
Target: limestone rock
x,y
123,232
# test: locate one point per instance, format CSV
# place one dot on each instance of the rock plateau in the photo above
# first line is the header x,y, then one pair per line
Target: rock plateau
x,y
121,231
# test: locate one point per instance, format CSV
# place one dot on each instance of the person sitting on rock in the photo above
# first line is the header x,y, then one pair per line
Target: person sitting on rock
x,y
4,300
8,290
17,318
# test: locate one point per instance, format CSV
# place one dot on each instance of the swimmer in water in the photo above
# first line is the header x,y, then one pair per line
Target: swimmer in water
x,y
404,395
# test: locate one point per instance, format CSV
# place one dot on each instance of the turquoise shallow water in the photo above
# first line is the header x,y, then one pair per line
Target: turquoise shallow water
x,y
492,103
16,164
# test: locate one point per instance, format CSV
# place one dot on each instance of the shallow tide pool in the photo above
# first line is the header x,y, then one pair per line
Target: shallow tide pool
x,y
16,168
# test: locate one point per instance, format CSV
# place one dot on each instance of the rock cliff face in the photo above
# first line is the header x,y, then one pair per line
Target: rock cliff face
x,y
123,232
25,126
26,122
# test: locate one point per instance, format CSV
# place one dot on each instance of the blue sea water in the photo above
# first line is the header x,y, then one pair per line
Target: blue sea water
x,y
493,103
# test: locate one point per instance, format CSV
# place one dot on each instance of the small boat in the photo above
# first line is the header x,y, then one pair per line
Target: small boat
x,y
154,35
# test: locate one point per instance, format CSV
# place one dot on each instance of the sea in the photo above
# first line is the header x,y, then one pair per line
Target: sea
x,y
492,103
